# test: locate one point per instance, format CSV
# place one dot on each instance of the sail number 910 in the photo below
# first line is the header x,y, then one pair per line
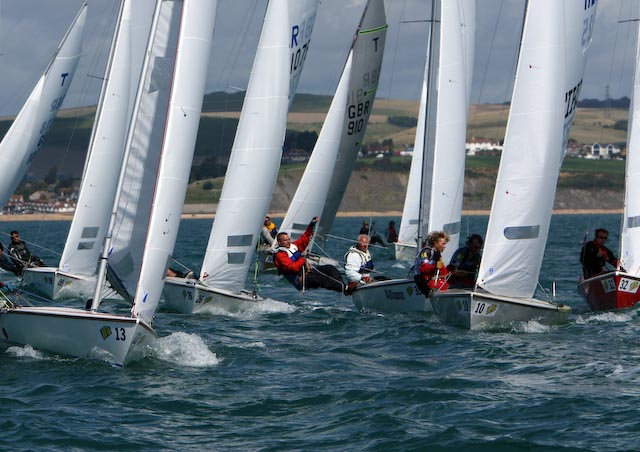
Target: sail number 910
x,y
356,114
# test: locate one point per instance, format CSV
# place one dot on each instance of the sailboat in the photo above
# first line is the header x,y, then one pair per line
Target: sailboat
x,y
253,165
555,41
619,288
28,132
75,276
327,173
442,134
405,248
168,106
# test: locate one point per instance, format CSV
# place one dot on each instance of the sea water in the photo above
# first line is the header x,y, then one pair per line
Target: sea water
x,y
309,372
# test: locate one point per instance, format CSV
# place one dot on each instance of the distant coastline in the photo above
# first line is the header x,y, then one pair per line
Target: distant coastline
x,y
360,214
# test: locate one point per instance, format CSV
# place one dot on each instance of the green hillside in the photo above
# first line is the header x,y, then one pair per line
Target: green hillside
x,y
65,149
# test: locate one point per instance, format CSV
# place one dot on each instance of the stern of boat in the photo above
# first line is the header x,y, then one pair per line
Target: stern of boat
x,y
188,296
612,290
55,285
479,310
74,332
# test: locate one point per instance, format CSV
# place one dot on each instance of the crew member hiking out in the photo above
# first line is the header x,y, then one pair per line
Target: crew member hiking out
x,y
290,263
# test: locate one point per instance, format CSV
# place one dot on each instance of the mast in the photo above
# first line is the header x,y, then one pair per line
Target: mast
x,y
429,125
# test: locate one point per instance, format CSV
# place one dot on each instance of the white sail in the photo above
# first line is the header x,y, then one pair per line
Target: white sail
x,y
436,177
107,144
255,158
468,23
408,231
302,16
630,240
185,107
555,41
446,161
325,179
28,132
311,194
144,143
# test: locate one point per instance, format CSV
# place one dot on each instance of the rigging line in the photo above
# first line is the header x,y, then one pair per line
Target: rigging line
x,y
395,54
228,69
511,81
238,43
486,69
606,112
34,244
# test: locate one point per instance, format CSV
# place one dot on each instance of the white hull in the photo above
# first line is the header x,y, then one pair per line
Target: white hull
x,y
396,295
405,251
187,296
112,338
56,285
477,310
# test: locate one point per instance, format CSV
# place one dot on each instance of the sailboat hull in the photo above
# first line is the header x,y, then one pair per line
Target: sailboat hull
x,y
112,338
480,310
57,285
405,251
186,296
396,295
612,290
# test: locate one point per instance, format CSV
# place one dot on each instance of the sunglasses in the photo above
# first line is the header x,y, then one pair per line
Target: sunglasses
x,y
603,237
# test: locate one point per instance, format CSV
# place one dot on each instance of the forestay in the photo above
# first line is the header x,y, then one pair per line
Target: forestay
x,y
630,240
107,143
26,135
185,107
256,152
556,37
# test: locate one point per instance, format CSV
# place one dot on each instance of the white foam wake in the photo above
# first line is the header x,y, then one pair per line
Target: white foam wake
x,y
184,349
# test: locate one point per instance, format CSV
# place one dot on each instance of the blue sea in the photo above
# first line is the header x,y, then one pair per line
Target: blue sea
x,y
307,372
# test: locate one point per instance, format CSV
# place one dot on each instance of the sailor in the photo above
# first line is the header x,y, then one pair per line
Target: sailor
x,y
429,269
465,263
290,263
268,232
358,264
595,257
20,254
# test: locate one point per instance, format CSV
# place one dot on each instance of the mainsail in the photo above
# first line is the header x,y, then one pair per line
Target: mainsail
x,y
630,240
26,135
444,156
107,143
178,144
257,149
555,41
341,135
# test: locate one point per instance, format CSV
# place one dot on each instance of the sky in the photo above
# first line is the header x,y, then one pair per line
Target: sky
x,y
30,30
